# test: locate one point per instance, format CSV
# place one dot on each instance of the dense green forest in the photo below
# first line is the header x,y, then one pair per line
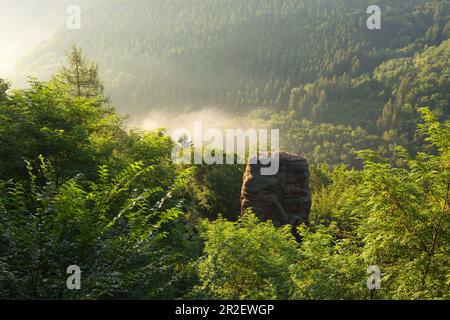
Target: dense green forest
x,y
237,54
299,63
77,187
369,110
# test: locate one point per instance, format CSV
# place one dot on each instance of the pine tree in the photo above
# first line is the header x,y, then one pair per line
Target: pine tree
x,y
81,75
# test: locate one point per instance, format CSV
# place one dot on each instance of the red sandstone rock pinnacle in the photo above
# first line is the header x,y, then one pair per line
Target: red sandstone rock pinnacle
x,y
283,198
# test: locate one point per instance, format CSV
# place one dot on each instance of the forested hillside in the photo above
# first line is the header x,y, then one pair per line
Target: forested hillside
x,y
368,109
332,116
237,54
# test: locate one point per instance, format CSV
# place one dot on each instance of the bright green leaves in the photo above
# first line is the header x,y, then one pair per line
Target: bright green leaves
x,y
111,227
328,266
406,223
246,260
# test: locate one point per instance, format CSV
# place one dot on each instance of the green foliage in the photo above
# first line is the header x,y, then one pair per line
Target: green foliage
x,y
4,86
125,245
213,190
249,259
71,132
392,93
77,186
394,217
135,229
421,80
246,259
406,212
102,199
328,267
331,196
111,201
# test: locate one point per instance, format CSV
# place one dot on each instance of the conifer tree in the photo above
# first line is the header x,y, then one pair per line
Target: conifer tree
x,y
81,75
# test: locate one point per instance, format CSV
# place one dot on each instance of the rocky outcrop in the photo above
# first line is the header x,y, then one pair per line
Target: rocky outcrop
x,y
284,197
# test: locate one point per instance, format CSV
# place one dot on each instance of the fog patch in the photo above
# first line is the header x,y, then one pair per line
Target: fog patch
x,y
171,121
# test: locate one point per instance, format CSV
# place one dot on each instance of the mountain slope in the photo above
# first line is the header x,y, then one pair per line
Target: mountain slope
x,y
170,54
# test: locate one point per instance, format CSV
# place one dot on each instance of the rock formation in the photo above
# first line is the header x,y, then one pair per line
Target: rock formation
x,y
283,198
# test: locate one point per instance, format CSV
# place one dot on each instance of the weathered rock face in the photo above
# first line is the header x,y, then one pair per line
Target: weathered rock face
x,y
283,198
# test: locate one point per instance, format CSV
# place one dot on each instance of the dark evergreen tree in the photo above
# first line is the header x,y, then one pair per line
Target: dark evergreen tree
x,y
81,75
